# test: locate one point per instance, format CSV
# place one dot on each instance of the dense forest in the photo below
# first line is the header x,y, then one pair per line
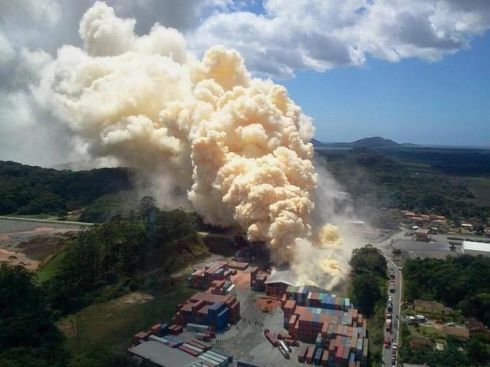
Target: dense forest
x,y
375,179
452,161
33,190
461,282
368,293
369,275
124,254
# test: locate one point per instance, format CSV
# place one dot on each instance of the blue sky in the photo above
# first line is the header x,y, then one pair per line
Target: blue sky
x,y
439,103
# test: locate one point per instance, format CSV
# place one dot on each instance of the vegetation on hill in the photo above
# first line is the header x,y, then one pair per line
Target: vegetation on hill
x,y
109,259
452,161
33,190
124,254
375,179
461,282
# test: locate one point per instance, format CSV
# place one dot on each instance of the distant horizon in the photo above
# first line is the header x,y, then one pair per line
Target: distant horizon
x,y
56,165
404,142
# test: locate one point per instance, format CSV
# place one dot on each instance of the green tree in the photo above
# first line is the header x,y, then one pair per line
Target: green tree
x,y
28,335
366,293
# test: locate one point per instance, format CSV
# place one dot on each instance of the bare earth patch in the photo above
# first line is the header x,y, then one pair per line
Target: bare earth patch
x,y
136,298
17,259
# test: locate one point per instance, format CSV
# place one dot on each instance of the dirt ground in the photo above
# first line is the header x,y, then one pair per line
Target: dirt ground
x,y
267,304
18,259
30,244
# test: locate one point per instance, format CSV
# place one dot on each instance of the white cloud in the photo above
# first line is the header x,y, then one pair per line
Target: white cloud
x,y
321,35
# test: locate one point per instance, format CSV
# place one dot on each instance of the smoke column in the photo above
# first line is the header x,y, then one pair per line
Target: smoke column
x,y
239,146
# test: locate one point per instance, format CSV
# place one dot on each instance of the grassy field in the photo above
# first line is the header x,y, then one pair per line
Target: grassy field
x,y
48,270
428,331
112,324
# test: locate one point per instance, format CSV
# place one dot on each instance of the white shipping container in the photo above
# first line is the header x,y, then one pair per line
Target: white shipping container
x,y
197,327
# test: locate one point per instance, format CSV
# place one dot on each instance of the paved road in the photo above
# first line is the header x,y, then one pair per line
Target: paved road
x,y
51,221
386,247
394,334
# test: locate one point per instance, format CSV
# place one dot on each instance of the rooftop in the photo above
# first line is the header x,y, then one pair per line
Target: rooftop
x,y
162,355
282,276
475,246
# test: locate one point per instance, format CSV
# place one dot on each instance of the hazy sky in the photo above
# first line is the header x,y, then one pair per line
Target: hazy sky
x,y
410,70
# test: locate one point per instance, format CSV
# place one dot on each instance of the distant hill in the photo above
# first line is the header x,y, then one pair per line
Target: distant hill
x,y
374,142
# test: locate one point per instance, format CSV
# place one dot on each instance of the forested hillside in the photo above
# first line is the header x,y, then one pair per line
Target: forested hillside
x,y
33,190
388,179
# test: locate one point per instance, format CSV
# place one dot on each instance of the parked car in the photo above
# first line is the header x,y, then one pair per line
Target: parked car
x,y
420,318
387,342
388,325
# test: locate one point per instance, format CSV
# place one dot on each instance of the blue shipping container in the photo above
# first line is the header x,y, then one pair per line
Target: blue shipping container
x,y
318,355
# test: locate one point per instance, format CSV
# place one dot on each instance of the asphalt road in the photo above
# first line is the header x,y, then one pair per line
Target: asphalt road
x,y
394,334
386,247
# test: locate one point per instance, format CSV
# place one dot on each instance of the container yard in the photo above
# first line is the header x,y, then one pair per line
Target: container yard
x,y
226,325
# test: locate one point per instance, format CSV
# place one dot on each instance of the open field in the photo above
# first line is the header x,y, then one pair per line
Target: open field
x,y
112,324
47,271
16,230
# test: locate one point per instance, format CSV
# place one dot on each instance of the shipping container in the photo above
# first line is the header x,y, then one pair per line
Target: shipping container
x,y
197,327
188,351
217,356
245,364
209,361
309,355
219,361
159,339
318,355
302,354
219,352
199,344
193,347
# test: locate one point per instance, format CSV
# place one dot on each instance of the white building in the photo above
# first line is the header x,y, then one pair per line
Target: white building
x,y
475,248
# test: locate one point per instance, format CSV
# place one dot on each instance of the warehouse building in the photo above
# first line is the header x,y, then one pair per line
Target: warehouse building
x,y
160,352
278,282
161,355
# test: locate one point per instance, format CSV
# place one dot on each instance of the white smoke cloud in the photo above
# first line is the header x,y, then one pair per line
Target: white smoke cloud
x,y
239,146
